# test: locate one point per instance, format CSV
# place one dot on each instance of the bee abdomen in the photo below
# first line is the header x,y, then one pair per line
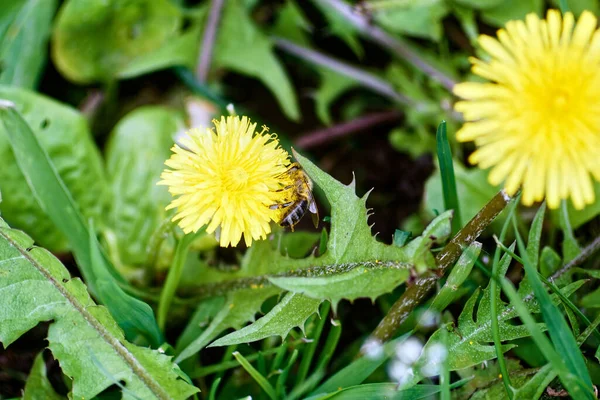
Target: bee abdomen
x,y
295,213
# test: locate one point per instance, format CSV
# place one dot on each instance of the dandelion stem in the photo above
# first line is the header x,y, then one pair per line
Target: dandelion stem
x,y
208,40
586,252
416,293
395,45
331,133
364,78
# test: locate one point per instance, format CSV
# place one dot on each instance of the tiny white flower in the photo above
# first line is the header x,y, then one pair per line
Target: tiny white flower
x,y
429,319
372,349
435,355
409,350
400,372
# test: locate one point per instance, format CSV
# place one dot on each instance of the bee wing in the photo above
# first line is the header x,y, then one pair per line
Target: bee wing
x,y
312,207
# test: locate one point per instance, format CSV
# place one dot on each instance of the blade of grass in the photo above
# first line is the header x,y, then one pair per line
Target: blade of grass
x,y
260,379
445,371
309,351
213,389
282,378
559,331
555,290
444,155
494,304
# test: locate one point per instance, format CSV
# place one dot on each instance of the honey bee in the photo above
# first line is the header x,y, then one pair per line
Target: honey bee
x,y
301,199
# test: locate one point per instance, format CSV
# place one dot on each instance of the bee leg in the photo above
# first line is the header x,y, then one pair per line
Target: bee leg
x,y
279,206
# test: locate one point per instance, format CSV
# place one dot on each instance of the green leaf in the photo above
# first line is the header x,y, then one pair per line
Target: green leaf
x,y
457,276
536,386
474,189
63,134
535,236
97,40
55,198
338,26
82,336
257,376
381,391
471,341
292,24
24,33
444,155
135,317
49,190
578,6
559,331
422,19
590,211
240,307
135,154
480,4
38,386
292,311
512,10
332,85
243,48
359,282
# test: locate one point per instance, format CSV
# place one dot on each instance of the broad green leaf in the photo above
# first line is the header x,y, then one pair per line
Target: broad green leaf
x,y
135,154
480,4
358,282
338,26
96,40
55,198
550,261
580,217
135,317
243,48
292,24
511,10
240,307
292,311
38,386
474,191
64,135
82,336
422,19
24,33
578,6
332,85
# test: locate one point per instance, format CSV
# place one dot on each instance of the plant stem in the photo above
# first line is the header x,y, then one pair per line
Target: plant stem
x,y
366,79
331,133
208,40
416,293
365,27
173,278
586,252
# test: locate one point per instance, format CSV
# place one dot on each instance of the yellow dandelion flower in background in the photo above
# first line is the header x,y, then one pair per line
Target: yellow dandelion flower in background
x,y
536,123
227,179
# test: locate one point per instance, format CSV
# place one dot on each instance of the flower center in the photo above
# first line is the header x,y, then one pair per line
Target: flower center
x,y
235,179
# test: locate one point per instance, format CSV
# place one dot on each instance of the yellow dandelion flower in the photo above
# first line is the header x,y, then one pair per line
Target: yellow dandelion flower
x,y
536,122
227,179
